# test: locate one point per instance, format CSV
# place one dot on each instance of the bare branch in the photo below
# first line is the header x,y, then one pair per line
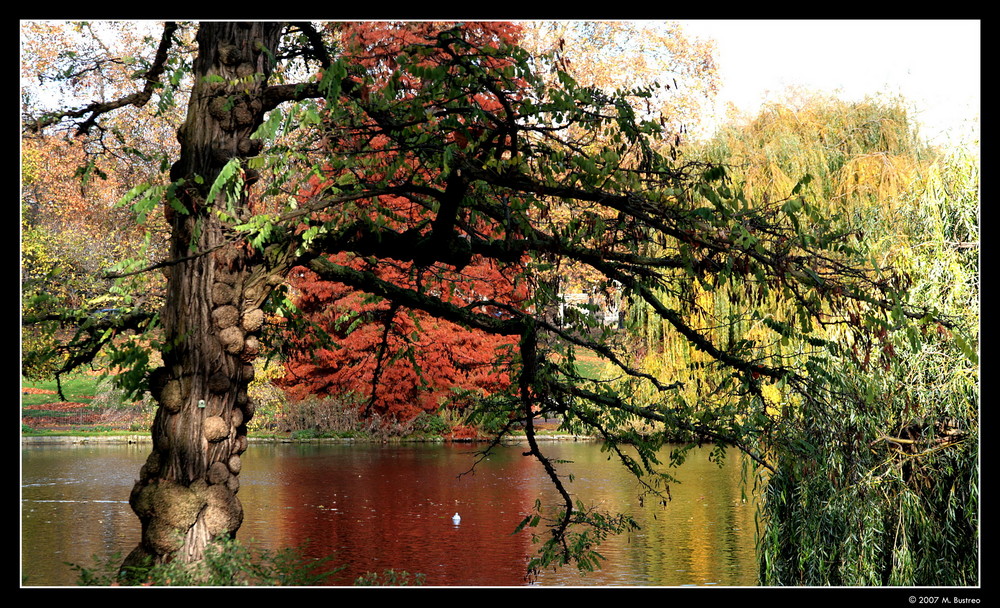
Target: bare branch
x,y
97,109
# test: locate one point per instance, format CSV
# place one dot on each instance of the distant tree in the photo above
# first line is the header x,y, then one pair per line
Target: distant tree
x,y
396,362
71,232
459,125
631,55
676,74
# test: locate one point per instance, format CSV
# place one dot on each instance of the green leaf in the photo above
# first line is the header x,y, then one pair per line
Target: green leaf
x,y
792,206
330,84
131,194
227,179
966,348
802,182
269,128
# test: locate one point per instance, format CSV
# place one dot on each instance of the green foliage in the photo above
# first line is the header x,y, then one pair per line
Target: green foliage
x,y
843,504
57,271
431,424
40,357
879,488
579,547
226,563
70,311
145,198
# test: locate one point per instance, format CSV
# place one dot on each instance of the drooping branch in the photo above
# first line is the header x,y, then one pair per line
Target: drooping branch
x,y
528,385
380,356
604,351
360,238
653,414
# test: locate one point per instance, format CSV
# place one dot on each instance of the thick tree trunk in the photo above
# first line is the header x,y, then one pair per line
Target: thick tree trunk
x,y
186,494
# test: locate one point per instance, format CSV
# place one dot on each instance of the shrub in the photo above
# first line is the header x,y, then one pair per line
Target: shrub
x,y
226,563
269,399
390,578
339,417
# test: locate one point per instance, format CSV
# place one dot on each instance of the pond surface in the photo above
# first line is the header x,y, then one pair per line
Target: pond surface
x,y
381,507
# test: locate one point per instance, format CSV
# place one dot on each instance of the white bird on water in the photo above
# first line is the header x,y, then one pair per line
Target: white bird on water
x,y
456,519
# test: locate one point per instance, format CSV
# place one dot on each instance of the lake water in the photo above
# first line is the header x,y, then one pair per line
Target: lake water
x,y
379,507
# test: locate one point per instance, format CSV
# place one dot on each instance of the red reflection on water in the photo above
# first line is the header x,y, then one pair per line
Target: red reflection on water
x,y
380,508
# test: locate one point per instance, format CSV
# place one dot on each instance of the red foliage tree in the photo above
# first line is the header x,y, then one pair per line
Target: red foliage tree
x,y
396,361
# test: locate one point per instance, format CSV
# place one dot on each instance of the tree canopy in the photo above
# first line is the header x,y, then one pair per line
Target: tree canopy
x,y
401,160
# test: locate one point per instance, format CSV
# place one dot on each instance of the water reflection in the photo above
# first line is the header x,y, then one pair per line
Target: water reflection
x,y
391,507
381,507
74,504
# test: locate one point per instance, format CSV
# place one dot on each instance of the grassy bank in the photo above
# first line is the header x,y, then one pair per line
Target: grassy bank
x,y
89,405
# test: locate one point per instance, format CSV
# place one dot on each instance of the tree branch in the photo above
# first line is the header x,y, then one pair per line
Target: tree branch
x,y
368,282
137,99
653,415
315,41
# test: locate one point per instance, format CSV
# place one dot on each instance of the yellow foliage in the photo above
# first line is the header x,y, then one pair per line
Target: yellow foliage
x,y
268,399
878,176
886,188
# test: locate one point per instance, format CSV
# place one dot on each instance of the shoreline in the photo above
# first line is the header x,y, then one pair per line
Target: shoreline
x,y
142,439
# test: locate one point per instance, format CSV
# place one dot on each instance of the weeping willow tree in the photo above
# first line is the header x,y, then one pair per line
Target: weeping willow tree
x,y
876,476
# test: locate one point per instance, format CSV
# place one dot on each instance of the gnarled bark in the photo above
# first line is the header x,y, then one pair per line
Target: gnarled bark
x,y
186,494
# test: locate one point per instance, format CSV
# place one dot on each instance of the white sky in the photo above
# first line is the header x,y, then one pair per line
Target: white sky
x,y
933,64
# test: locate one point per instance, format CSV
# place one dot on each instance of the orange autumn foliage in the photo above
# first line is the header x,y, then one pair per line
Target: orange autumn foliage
x,y
400,362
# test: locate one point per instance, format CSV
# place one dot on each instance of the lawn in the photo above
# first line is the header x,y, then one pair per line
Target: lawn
x,y
89,406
